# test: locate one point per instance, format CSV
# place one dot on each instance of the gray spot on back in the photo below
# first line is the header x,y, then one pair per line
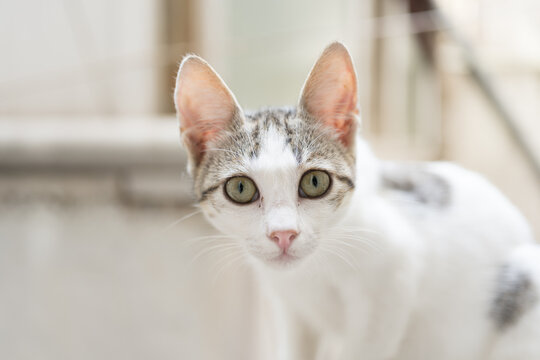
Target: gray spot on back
x,y
514,295
420,185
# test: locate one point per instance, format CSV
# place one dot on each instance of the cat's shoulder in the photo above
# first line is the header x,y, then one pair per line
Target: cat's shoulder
x,y
415,183
447,192
434,184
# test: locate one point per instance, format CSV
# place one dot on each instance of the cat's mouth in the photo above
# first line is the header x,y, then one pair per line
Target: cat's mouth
x,y
284,259
281,258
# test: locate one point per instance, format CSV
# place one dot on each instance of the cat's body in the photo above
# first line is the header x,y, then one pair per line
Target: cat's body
x,y
428,288
358,258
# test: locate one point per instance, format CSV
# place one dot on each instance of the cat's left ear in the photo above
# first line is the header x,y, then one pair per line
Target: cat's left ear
x,y
330,93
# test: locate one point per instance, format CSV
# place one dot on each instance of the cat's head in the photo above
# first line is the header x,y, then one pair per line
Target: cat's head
x,y
275,179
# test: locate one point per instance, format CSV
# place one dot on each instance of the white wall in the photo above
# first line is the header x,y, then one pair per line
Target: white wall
x,y
78,56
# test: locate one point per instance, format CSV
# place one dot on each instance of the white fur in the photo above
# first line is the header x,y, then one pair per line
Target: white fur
x,y
381,276
415,283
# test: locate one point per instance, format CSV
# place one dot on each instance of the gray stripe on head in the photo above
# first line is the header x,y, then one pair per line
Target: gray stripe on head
x,y
514,295
278,118
346,180
337,199
205,193
256,140
296,149
422,186
307,139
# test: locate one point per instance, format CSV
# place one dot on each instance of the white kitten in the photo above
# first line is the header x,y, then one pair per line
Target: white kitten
x,y
360,259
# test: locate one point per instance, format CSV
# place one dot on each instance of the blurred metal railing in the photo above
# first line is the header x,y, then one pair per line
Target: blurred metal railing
x,y
431,14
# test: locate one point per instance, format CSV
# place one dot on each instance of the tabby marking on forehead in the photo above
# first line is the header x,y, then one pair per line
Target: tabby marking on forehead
x,y
242,144
275,153
280,118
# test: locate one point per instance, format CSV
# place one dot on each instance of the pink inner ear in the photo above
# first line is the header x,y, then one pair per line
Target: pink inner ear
x,y
344,114
205,105
330,95
197,133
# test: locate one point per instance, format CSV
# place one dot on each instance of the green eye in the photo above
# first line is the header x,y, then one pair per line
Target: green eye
x,y
241,189
314,183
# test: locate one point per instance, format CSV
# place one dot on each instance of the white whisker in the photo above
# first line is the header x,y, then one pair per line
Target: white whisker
x,y
176,222
207,238
336,252
228,264
216,248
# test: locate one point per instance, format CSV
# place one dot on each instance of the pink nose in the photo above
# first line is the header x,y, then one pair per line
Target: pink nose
x,y
283,238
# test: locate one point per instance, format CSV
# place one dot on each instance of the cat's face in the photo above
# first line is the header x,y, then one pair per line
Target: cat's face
x,y
277,179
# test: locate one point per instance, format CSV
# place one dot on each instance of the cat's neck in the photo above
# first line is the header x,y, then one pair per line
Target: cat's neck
x,y
367,173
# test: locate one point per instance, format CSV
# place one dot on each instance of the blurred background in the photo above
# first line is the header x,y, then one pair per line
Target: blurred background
x,y
97,228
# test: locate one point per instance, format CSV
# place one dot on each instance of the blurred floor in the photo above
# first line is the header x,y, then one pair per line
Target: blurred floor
x,y
101,281
92,281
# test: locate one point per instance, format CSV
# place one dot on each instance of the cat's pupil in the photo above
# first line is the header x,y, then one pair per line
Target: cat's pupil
x,y
314,181
240,187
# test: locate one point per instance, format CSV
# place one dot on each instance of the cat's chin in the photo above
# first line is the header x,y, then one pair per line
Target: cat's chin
x,y
283,261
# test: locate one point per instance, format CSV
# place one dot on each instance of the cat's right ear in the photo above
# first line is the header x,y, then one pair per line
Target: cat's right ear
x,y
204,104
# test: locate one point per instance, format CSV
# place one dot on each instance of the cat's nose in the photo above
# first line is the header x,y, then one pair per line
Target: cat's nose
x,y
283,238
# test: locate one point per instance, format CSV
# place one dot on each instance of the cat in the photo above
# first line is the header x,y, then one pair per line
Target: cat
x,y
359,258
